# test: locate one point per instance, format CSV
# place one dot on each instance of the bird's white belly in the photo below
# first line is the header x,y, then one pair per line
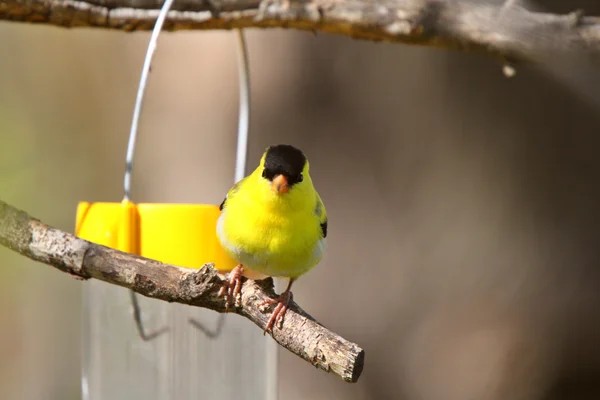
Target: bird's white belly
x,y
266,262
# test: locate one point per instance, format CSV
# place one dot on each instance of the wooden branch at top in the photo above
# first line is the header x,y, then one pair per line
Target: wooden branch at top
x,y
512,33
300,333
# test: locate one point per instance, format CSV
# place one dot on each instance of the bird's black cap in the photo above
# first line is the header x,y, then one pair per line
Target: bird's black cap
x,y
286,160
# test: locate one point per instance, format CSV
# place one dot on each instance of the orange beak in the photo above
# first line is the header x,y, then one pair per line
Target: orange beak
x,y
280,184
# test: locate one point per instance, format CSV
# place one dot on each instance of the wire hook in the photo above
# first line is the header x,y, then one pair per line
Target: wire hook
x,y
244,115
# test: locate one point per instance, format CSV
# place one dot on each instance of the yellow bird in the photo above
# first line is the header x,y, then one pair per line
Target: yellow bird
x,y
273,222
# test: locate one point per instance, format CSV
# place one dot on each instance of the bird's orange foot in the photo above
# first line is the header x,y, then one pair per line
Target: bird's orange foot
x,y
232,287
282,302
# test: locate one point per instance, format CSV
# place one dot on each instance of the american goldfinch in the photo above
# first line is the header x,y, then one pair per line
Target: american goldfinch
x,y
273,222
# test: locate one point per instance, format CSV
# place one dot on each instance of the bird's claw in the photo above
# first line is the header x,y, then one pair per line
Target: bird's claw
x,y
282,302
232,287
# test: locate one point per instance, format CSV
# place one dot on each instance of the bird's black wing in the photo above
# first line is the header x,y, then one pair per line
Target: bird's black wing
x,y
324,228
233,189
322,215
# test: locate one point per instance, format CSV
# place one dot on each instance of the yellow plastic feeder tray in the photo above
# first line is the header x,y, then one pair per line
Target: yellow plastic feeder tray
x,y
179,234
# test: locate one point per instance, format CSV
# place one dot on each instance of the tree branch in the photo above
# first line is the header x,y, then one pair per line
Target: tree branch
x,y
450,24
300,333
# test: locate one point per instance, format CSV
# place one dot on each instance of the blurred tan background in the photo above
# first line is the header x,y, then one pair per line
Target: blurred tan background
x,y
463,206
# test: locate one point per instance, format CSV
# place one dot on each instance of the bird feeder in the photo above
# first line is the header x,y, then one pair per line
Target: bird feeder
x,y
180,362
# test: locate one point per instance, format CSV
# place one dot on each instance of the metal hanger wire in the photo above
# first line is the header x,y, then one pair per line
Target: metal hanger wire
x,y
139,101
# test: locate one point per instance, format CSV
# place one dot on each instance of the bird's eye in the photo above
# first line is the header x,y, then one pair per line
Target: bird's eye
x,y
264,174
300,178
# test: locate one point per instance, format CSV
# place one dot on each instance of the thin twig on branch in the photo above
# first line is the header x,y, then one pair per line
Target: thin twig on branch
x,y
300,333
451,24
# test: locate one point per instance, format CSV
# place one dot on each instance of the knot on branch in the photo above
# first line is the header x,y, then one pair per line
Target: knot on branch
x,y
144,284
199,286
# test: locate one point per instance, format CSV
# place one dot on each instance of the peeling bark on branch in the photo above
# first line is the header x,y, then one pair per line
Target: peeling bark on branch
x,y
458,25
300,333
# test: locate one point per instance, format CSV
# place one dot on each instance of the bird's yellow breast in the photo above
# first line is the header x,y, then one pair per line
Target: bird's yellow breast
x,y
271,234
